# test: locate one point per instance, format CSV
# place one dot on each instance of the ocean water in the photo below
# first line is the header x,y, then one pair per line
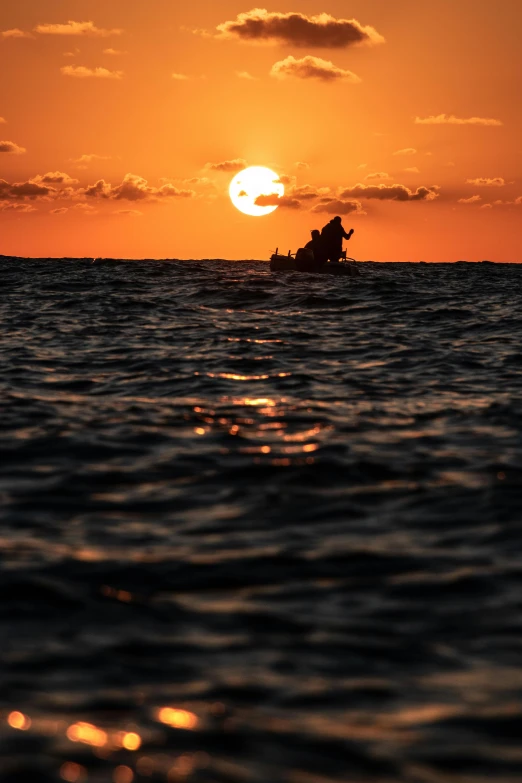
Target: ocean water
x,y
260,528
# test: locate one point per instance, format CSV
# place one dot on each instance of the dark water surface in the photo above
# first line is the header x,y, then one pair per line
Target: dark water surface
x,y
268,526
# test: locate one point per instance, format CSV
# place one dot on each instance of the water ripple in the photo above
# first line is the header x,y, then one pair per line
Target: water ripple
x,y
260,527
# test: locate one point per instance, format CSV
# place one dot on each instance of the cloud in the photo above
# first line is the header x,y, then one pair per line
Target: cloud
x,y
406,151
18,191
227,165
128,212
245,75
84,160
54,178
81,72
296,29
444,119
390,192
470,200
15,33
274,200
59,211
180,77
9,206
295,197
339,207
287,179
310,67
300,165
412,170
134,188
85,209
499,203
486,182
2,121
11,148
75,28
377,175
199,182
113,52
72,54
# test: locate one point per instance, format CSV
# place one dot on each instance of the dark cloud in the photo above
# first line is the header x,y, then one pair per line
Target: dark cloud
x,y
310,67
11,148
296,29
134,188
390,193
308,192
54,178
339,207
59,211
19,191
228,165
274,200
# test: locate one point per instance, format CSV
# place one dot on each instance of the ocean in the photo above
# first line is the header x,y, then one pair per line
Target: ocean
x,y
260,528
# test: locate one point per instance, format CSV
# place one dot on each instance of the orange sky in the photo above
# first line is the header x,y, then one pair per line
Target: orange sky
x,y
339,87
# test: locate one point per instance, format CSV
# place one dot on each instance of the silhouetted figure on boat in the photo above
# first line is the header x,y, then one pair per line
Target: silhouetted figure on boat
x,y
318,248
332,236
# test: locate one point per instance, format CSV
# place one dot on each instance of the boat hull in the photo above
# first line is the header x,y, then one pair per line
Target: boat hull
x,y
288,264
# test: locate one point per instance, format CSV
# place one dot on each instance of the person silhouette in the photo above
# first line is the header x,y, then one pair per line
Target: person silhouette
x,y
332,235
317,246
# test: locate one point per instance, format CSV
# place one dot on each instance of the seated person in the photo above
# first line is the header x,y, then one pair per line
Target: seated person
x,y
317,246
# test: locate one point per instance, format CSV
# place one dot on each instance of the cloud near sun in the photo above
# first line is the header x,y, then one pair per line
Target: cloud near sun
x,y
322,31
345,201
312,68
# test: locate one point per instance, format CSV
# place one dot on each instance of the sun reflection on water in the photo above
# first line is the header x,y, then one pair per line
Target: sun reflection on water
x,y
178,719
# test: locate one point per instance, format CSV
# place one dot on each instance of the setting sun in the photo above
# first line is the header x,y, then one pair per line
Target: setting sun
x,y
256,191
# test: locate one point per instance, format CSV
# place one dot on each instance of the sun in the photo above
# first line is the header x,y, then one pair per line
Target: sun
x,y
251,183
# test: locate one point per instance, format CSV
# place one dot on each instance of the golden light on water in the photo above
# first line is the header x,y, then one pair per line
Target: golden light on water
x,y
88,734
178,719
17,720
73,773
123,774
131,741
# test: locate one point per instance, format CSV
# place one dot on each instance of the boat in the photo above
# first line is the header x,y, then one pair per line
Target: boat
x,y
346,267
